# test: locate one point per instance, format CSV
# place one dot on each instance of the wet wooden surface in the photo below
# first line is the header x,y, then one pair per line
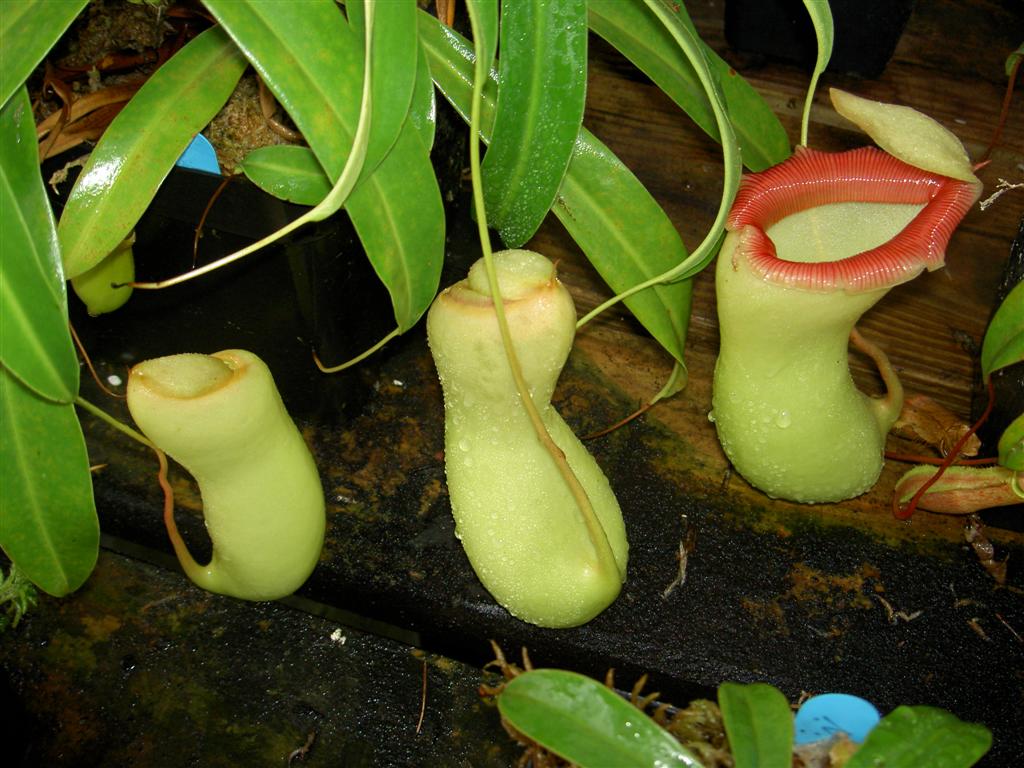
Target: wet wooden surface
x,y
804,597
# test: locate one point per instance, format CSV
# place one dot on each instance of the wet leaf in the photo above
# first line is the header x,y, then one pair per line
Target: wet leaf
x,y
622,230
910,737
49,527
628,238
423,110
393,68
541,95
638,34
35,345
759,725
287,172
141,145
587,723
399,217
29,29
1003,344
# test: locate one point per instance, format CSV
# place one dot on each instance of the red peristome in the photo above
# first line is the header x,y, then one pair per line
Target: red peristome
x,y
811,178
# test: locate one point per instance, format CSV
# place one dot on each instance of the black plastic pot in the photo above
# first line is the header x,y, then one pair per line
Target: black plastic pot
x,y
314,291
866,32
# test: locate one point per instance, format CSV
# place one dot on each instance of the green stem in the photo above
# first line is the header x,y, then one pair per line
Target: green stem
x,y
124,429
731,160
360,357
598,537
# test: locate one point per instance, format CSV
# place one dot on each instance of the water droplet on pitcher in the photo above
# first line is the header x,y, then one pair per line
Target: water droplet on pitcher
x,y
783,420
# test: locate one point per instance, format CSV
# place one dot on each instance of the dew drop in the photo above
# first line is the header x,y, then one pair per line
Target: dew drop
x,y
783,420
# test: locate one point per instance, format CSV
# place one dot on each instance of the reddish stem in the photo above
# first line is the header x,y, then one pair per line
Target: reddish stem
x,y
202,219
901,512
89,365
180,548
914,458
1005,111
621,423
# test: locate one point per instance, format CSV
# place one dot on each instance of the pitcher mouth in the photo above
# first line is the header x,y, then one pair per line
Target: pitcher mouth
x,y
811,178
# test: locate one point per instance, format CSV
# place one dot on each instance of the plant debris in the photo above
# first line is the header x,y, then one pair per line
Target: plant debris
x,y
974,533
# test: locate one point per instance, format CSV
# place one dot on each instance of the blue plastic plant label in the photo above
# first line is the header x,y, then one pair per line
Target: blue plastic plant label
x,y
199,155
821,717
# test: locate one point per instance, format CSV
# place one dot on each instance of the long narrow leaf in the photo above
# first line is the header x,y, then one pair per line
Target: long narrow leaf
x,y
1003,344
35,345
423,110
542,92
48,523
911,737
310,58
636,32
293,173
28,30
141,145
394,61
620,227
587,723
628,238
399,217
759,725
669,14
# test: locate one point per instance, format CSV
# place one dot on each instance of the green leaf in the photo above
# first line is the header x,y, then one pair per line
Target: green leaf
x,y
623,231
824,30
910,737
311,59
638,34
541,95
628,238
287,172
35,345
423,110
393,223
28,30
1011,445
759,724
670,15
48,523
586,723
399,217
141,145
393,69
1003,344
